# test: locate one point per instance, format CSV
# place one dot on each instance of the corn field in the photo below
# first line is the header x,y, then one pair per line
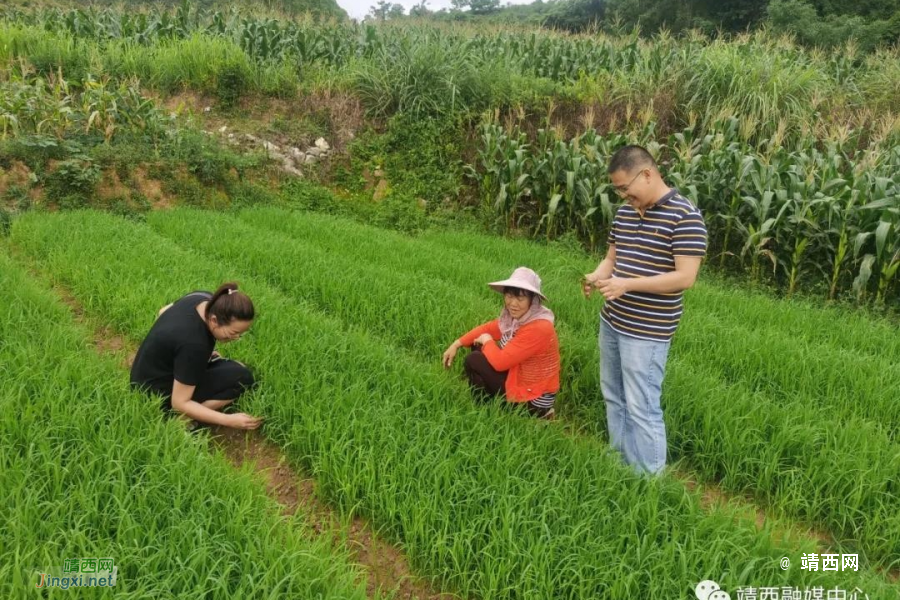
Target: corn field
x,y
795,213
763,78
52,108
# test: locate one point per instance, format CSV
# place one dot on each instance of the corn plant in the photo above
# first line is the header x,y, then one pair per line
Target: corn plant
x,y
763,79
33,105
788,214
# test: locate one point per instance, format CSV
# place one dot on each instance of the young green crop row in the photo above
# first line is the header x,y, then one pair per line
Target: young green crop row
x,y
847,330
802,365
839,360
493,504
770,415
815,348
89,469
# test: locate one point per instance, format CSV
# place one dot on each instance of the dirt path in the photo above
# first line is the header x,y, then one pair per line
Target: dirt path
x,y
386,566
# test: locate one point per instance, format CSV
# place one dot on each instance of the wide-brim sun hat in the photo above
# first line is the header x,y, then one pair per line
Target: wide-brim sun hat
x,y
522,278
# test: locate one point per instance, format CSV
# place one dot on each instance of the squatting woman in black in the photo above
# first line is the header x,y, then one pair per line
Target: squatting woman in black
x,y
177,360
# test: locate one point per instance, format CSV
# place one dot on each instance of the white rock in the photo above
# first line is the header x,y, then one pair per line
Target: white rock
x,y
207,108
270,146
296,153
223,128
314,151
309,159
321,144
288,166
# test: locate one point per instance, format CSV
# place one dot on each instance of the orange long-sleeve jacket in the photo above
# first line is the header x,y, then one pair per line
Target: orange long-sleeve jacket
x,y
531,357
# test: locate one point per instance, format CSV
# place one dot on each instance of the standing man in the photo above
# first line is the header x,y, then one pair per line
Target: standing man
x,y
656,243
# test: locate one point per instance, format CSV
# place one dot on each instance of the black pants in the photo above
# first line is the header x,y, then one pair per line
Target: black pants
x,y
486,382
483,378
223,380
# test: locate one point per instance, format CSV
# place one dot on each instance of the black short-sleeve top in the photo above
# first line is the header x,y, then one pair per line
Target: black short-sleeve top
x,y
178,347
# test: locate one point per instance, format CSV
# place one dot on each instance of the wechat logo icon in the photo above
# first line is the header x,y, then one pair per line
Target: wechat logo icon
x,y
710,590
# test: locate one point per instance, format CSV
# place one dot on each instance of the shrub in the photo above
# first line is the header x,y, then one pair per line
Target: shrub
x,y
17,196
801,19
73,178
232,82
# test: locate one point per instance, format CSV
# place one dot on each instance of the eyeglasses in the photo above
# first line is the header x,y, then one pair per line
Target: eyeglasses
x,y
622,190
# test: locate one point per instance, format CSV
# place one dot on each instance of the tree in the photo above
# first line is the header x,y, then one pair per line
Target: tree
x,y
483,7
477,7
385,10
380,10
801,19
880,9
732,15
420,9
574,15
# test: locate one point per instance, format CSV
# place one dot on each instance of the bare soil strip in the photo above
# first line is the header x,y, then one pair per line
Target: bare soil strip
x,y
386,566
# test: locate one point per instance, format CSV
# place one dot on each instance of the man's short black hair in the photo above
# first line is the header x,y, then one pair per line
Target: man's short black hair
x,y
630,159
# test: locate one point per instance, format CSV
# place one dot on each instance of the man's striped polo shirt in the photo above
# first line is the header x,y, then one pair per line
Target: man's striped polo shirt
x,y
647,246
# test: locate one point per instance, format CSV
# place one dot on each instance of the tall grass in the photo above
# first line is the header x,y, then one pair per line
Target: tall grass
x,y
199,62
756,79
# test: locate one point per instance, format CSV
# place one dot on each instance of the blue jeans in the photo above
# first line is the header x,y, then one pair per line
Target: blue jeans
x,y
631,376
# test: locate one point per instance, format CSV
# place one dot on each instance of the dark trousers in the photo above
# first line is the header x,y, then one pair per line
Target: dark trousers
x,y
486,382
483,379
223,380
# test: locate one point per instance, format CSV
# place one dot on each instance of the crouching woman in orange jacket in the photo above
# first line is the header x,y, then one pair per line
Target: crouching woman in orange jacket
x,y
516,355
